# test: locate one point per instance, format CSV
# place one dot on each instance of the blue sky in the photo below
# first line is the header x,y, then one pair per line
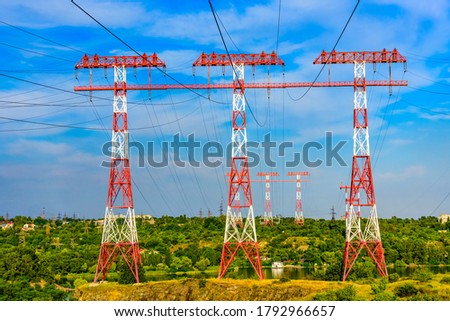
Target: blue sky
x,y
60,168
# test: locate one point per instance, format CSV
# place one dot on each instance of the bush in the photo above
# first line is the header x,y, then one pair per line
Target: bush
x,y
400,263
422,275
284,280
405,290
445,280
127,277
79,282
345,294
384,296
379,287
202,283
363,270
394,277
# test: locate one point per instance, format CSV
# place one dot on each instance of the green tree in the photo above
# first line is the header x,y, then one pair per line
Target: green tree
x,y
202,264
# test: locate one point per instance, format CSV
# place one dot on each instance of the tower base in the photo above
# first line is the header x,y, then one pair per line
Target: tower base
x,y
373,248
229,252
110,251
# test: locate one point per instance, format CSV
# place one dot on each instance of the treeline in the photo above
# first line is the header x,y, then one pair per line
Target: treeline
x,y
43,262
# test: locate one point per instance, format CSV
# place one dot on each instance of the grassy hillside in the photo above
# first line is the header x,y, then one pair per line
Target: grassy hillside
x,y
267,290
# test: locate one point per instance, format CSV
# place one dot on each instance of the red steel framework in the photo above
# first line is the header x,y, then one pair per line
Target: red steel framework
x,y
119,238
362,193
239,179
239,192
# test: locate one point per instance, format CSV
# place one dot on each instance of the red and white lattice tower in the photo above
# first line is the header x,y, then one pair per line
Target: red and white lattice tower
x,y
239,192
362,193
119,238
298,215
268,217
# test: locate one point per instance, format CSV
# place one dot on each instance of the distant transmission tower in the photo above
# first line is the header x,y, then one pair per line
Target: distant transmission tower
x,y
333,214
119,238
362,193
298,214
268,217
221,207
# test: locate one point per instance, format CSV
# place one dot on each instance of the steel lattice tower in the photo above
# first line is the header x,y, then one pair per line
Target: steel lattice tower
x,y
298,214
362,193
268,216
119,237
239,192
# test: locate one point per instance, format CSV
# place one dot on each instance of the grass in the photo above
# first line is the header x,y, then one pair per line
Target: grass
x,y
191,289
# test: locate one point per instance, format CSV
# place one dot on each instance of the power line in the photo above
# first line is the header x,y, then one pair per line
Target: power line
x,y
232,66
278,27
134,50
35,52
439,205
427,109
41,37
334,47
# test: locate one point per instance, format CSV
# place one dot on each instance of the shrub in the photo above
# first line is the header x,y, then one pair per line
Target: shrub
x,y
347,293
384,296
378,287
79,282
405,290
422,275
394,277
284,280
445,280
202,283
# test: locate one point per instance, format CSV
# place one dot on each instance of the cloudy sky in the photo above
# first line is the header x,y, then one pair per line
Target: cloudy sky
x,y
53,138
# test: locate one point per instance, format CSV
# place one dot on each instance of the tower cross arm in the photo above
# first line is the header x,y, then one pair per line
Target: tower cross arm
x,y
260,59
348,57
96,61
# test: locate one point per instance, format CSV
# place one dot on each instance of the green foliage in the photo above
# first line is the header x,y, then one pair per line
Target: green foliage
x,y
284,280
378,287
347,293
393,277
202,283
181,243
405,290
384,296
422,275
445,280
363,270
203,264
126,276
79,282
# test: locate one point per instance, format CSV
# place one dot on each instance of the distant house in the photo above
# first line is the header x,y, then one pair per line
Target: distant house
x,y
342,218
28,227
277,265
98,222
6,225
444,218
144,216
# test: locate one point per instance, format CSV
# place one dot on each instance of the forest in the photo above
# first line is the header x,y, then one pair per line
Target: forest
x,y
46,259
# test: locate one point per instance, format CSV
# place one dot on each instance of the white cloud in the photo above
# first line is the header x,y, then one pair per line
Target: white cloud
x,y
411,172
